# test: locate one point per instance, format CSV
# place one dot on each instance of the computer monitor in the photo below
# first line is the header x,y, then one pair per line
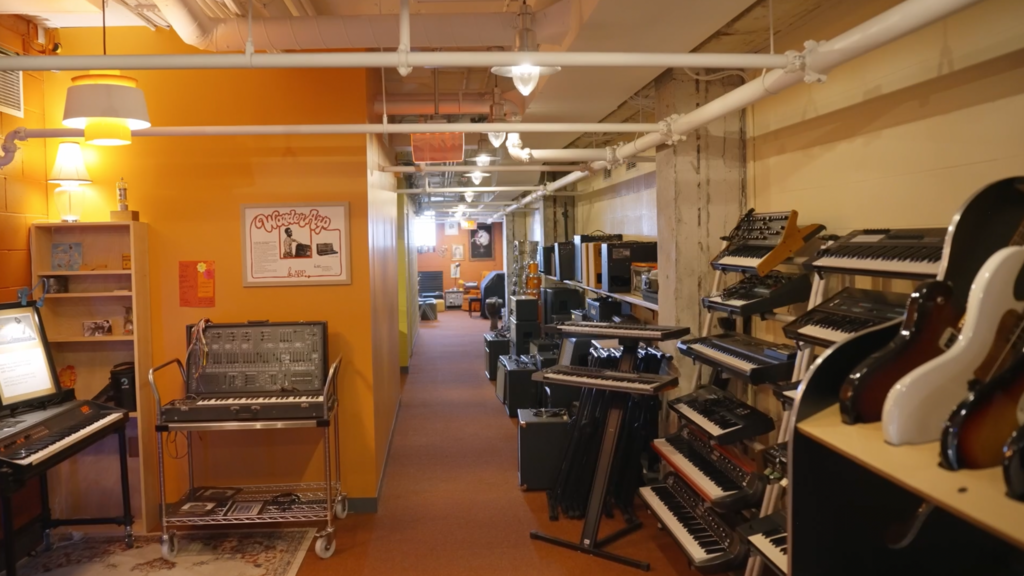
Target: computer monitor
x,y
26,366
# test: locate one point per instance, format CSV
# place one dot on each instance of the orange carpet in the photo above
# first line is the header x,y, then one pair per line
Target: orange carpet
x,y
451,502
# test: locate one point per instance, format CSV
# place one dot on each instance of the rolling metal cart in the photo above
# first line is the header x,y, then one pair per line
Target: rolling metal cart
x,y
305,501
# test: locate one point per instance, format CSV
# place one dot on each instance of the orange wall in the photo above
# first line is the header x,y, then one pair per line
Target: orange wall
x,y
471,271
189,191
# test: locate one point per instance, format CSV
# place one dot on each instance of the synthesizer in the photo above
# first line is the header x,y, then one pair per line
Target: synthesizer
x,y
721,477
46,437
847,312
750,359
606,379
914,253
254,371
768,538
628,331
760,294
761,241
721,416
705,537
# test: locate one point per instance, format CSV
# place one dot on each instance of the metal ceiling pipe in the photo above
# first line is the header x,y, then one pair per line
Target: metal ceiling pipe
x,y
471,189
392,60
511,168
411,106
819,59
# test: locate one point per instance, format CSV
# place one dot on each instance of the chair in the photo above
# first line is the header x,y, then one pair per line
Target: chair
x,y
474,305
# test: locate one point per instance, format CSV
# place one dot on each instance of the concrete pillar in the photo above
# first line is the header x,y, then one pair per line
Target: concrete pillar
x,y
701,193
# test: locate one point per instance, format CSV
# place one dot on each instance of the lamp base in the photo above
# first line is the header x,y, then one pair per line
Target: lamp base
x,y
70,219
124,215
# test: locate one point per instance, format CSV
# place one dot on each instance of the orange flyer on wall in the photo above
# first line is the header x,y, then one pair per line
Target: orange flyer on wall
x,y
438,147
196,284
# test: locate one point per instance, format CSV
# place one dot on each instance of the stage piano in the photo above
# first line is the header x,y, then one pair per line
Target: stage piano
x,y
914,253
607,379
768,538
847,312
624,331
721,416
750,359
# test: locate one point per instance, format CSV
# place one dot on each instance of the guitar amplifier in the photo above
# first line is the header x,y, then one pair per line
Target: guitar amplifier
x,y
578,241
524,309
543,438
521,333
559,302
602,309
547,260
515,387
494,346
565,260
616,263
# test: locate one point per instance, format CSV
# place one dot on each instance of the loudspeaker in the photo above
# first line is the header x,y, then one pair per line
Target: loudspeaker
x,y
547,260
602,309
559,301
524,308
521,333
578,241
565,260
543,438
515,378
122,384
617,259
494,346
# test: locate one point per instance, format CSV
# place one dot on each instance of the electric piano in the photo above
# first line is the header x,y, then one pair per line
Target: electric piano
x,y
282,406
627,331
705,537
759,294
723,478
913,253
721,416
606,379
50,435
751,359
844,314
768,539
761,241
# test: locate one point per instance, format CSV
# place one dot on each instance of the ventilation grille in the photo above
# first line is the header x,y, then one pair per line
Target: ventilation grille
x,y
607,173
12,99
630,165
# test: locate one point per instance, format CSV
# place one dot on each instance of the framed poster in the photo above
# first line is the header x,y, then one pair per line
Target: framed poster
x,y
458,252
481,246
451,228
457,270
296,244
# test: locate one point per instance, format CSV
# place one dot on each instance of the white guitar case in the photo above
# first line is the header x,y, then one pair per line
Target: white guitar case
x,y
919,404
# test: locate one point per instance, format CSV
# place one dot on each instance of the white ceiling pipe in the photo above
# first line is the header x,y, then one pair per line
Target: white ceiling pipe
x,y
376,31
511,168
413,104
391,60
404,38
470,189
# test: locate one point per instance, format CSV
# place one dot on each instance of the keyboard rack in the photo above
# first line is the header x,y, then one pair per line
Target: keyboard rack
x,y
313,500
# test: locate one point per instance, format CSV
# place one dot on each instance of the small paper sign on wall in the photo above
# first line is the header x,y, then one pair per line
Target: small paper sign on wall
x,y
196,279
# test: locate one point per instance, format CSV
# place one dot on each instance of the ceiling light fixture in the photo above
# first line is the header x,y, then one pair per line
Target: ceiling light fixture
x,y
525,76
477,177
484,151
497,116
469,196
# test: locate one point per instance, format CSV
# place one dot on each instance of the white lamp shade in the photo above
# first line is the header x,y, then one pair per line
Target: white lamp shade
x,y
525,76
69,169
88,101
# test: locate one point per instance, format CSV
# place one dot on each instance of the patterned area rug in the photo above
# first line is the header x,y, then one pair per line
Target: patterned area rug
x,y
233,553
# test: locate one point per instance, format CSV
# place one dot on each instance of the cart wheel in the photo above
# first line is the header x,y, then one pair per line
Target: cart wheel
x,y
169,547
129,537
341,508
325,546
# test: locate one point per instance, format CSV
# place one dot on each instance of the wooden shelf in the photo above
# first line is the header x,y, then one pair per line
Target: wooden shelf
x,y
59,339
77,224
89,295
624,296
82,272
977,496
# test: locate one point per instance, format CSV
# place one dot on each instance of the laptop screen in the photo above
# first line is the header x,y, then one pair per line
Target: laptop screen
x,y
26,370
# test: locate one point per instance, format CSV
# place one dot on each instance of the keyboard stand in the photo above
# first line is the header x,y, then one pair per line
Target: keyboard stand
x,y
9,486
589,542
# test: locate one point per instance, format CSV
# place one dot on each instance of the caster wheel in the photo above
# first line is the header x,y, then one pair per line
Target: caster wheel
x,y
341,508
169,547
129,538
325,546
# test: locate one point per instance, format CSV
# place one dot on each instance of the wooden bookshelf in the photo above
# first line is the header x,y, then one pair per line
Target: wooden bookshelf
x,y
88,484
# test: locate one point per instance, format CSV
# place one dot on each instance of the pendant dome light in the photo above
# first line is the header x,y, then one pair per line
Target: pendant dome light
x,y
525,76
497,116
105,104
477,177
485,153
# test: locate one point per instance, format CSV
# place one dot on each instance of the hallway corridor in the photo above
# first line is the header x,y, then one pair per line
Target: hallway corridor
x,y
451,504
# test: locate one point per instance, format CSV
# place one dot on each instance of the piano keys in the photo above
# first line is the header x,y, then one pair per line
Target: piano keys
x,y
913,253
285,406
721,416
721,477
750,359
768,539
48,436
761,241
849,311
628,331
705,537
606,379
759,294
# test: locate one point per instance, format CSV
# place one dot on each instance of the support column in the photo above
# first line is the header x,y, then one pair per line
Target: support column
x,y
701,192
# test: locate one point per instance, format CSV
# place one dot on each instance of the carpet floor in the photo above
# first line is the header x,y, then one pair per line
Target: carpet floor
x,y
451,503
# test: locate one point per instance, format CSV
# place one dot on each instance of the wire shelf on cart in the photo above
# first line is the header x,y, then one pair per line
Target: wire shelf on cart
x,y
305,501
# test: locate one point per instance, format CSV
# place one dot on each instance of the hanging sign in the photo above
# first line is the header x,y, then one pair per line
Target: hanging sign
x,y
295,244
438,147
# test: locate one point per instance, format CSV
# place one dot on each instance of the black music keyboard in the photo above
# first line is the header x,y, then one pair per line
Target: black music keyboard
x,y
718,475
849,311
721,416
760,294
751,359
768,539
47,437
606,379
285,406
630,331
906,253
706,538
761,241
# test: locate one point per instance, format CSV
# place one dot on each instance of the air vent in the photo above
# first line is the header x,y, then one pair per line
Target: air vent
x,y
630,165
607,173
12,99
